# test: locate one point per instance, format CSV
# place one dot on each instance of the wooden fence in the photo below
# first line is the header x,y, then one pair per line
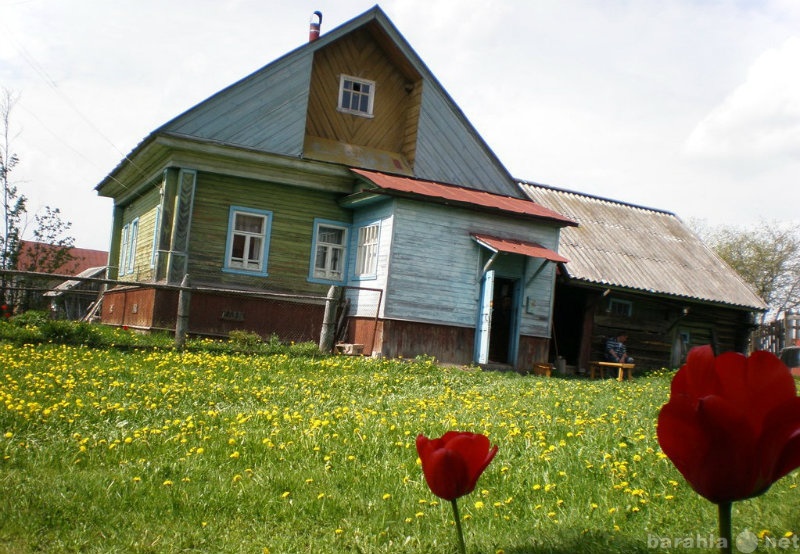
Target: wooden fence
x,y
286,307
778,334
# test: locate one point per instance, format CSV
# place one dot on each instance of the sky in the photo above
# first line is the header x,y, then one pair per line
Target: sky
x,y
689,106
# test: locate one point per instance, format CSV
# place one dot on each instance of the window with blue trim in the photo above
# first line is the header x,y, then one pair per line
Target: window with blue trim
x,y
248,240
328,261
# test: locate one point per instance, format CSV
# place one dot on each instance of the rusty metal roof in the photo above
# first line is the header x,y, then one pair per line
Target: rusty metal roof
x,y
516,246
453,194
623,245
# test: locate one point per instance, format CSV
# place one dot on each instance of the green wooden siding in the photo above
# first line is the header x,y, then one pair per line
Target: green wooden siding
x,y
293,212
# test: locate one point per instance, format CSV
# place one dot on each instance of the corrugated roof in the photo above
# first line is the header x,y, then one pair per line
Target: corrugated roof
x,y
460,195
622,245
517,246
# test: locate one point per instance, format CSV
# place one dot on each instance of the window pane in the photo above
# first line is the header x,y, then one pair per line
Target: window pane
x,y
336,260
249,223
237,251
364,107
330,235
254,252
321,260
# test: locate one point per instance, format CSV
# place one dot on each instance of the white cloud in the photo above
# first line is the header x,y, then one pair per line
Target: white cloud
x,y
760,120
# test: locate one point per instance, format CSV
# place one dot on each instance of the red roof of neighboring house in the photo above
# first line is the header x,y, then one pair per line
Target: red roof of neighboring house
x,y
84,258
461,195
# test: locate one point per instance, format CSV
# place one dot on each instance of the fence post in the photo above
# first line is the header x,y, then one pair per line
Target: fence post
x,y
182,321
328,333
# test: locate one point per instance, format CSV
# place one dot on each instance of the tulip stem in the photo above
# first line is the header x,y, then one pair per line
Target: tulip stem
x,y
463,547
725,533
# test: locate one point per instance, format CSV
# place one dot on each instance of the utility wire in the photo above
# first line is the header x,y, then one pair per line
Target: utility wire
x,y
40,70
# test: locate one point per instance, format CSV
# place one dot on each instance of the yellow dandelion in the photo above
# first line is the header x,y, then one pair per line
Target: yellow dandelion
x,y
285,494
237,478
387,496
8,434
167,483
235,454
478,505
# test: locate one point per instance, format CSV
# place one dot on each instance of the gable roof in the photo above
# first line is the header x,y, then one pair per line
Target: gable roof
x,y
266,112
643,249
399,185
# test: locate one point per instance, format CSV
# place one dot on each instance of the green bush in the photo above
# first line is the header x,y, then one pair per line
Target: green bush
x,y
35,327
70,332
245,339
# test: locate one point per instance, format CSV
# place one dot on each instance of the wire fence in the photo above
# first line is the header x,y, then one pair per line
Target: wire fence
x,y
214,312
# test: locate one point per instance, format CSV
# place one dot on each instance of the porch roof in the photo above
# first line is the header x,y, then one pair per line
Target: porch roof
x,y
517,246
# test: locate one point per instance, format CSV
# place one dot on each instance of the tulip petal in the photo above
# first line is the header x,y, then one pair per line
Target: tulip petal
x,y
698,377
709,442
474,449
759,382
446,473
779,446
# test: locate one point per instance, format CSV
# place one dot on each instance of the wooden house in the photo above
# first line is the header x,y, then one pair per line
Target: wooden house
x,y
343,163
643,272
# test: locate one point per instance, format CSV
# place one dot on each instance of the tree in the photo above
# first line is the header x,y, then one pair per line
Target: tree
x,y
50,229
13,207
50,253
767,257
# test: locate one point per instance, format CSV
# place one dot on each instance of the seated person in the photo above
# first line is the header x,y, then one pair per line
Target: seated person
x,y
616,351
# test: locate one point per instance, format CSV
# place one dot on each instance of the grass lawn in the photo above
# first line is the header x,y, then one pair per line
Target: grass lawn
x,y
161,451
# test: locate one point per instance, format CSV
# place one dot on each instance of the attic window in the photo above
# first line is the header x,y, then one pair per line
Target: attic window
x,y
356,96
622,308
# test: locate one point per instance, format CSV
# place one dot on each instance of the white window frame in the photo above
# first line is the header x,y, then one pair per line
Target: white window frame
x,y
245,265
156,229
326,274
123,249
368,240
344,94
132,239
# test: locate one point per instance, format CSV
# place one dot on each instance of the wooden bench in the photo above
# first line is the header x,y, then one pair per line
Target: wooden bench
x,y
349,349
601,367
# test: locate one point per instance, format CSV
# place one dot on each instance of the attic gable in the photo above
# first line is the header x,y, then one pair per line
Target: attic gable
x,y
281,108
382,134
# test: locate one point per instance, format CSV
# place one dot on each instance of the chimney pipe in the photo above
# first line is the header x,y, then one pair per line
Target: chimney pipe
x,y
313,29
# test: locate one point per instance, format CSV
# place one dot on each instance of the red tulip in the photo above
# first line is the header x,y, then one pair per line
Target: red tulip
x,y
732,423
453,463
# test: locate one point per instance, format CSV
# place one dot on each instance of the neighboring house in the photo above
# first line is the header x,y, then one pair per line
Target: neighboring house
x,y
342,163
75,298
641,271
67,300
